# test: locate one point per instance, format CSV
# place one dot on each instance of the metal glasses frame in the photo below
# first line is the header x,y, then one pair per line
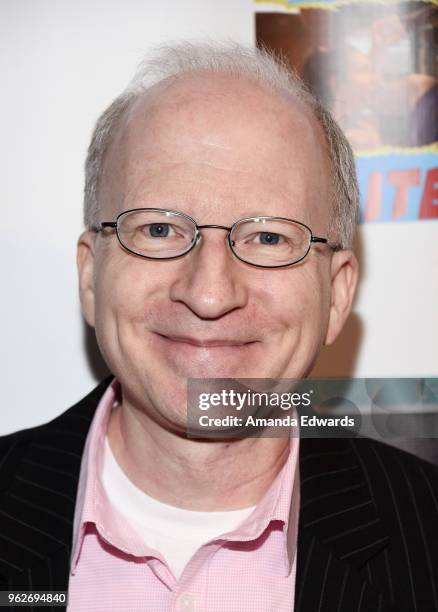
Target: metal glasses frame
x,y
197,235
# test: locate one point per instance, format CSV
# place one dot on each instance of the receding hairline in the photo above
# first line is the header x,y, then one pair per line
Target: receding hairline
x,y
229,58
139,103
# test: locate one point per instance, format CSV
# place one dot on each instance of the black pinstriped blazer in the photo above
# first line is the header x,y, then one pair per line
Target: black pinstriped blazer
x,y
368,534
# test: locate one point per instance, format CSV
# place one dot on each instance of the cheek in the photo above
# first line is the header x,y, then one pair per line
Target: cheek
x,y
300,299
303,316
125,288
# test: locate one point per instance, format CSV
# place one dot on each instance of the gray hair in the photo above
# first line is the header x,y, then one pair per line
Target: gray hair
x,y
257,65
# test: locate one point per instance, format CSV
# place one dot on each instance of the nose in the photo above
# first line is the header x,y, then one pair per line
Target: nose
x,y
210,283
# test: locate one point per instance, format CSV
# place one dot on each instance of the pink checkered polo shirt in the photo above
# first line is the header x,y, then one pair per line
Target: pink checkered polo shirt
x,y
249,569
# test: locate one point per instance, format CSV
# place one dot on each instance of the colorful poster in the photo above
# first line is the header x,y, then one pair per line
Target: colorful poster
x,y
374,65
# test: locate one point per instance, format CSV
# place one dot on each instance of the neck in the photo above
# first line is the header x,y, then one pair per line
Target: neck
x,y
197,475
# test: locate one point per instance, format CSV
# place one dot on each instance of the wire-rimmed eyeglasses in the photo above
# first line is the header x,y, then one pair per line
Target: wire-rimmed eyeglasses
x,y
265,242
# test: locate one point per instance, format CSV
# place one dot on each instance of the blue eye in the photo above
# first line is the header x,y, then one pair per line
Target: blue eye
x,y
269,238
159,230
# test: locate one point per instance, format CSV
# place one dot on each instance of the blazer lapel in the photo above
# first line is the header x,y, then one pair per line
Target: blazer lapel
x,y
38,508
339,534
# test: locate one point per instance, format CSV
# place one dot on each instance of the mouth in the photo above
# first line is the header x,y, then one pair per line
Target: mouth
x,y
212,357
206,342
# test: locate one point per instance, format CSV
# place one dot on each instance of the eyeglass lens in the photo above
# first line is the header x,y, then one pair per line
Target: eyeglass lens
x,y
259,241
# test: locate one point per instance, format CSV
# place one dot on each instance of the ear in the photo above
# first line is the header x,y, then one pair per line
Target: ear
x,y
85,265
344,277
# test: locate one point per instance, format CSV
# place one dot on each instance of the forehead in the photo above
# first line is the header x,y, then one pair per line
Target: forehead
x,y
216,130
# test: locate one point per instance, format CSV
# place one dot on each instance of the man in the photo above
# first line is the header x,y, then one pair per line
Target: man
x,y
220,206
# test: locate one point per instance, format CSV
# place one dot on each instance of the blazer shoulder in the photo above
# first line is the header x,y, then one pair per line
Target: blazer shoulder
x,y
387,455
398,479
10,444
12,448
14,445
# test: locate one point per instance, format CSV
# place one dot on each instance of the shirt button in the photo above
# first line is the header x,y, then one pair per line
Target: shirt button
x,y
185,603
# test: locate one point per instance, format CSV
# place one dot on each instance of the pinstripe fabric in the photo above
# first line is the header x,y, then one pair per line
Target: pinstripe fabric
x,y
368,526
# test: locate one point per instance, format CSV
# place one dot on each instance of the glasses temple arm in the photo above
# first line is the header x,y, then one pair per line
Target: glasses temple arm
x,y
335,246
104,224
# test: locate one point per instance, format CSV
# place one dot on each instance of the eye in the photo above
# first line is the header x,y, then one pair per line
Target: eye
x,y
269,238
158,230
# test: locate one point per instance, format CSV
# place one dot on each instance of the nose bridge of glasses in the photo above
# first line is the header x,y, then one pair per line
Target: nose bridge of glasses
x,y
212,226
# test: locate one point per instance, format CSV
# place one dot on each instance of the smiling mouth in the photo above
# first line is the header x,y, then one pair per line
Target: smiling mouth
x,y
207,343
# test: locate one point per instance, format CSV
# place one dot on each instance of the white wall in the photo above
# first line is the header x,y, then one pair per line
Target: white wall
x,y
393,331
61,63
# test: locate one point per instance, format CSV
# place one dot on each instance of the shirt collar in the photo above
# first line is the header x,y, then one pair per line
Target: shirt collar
x,y
91,467
281,501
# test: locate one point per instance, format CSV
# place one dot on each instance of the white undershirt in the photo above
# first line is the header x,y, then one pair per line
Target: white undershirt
x,y
174,532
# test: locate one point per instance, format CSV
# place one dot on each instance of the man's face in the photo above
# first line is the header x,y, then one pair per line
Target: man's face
x,y
218,149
